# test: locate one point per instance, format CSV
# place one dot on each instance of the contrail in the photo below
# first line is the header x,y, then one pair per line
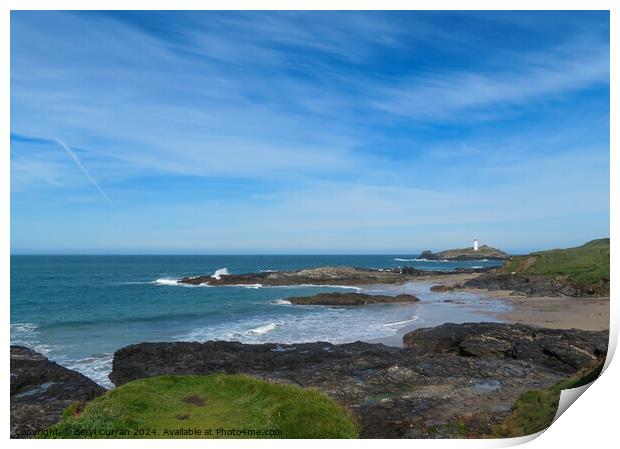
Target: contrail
x,y
79,164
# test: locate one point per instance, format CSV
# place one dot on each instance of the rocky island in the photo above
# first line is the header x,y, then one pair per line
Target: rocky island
x,y
483,252
323,276
350,299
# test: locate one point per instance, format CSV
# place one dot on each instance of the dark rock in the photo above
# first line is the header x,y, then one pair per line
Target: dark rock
x,y
428,255
408,271
350,299
530,285
556,349
323,276
41,390
442,288
443,375
484,252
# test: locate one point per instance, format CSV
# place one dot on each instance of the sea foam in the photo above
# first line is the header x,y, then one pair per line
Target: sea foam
x,y
263,329
218,273
165,281
400,323
253,286
96,367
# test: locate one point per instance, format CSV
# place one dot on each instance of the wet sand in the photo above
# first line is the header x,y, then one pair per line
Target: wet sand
x,y
548,312
542,311
552,312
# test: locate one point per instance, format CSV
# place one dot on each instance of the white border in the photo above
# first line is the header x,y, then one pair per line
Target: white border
x,y
591,422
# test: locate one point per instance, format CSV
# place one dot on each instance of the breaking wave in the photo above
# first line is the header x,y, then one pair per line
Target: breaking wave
x,y
165,281
400,323
177,283
219,273
253,286
348,287
95,367
263,329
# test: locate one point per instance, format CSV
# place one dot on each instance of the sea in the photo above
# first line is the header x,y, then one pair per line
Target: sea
x,y
78,310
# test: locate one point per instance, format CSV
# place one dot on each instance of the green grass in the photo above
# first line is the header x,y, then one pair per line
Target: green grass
x,y
157,406
588,263
534,410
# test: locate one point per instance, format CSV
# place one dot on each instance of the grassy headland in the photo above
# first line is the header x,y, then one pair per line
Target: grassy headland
x,y
534,410
245,407
588,263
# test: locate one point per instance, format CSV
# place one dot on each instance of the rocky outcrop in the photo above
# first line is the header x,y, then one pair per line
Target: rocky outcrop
x,y
322,276
533,285
559,350
483,252
350,299
41,390
451,381
442,288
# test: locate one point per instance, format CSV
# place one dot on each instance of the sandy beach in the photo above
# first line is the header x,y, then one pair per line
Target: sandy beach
x,y
552,312
542,311
549,312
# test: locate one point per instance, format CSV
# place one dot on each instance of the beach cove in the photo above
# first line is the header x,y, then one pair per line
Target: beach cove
x,y
78,310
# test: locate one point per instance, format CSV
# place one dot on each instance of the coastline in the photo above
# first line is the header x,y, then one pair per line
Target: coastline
x,y
590,314
386,324
372,368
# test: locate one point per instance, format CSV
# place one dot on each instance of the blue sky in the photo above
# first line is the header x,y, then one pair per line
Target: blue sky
x,y
307,132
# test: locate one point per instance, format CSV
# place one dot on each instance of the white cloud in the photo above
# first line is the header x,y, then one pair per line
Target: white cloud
x,y
450,94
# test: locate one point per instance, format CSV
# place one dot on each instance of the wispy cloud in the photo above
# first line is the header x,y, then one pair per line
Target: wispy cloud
x,y
73,156
346,120
486,94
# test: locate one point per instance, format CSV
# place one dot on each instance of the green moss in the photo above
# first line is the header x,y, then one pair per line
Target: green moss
x,y
157,407
588,263
459,427
534,410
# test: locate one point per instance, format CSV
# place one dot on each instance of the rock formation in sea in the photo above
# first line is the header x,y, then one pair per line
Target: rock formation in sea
x,y
322,276
443,377
350,299
41,390
483,252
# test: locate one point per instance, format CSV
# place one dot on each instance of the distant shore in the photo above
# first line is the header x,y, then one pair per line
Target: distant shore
x,y
590,314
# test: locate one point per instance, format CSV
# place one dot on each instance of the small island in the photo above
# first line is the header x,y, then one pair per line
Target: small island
x,y
476,252
335,276
350,299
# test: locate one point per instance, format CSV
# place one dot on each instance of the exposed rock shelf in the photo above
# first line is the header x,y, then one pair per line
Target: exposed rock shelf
x,y
350,299
41,390
444,375
322,276
530,285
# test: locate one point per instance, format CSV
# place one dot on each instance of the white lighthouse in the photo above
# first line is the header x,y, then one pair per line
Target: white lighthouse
x,y
475,244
